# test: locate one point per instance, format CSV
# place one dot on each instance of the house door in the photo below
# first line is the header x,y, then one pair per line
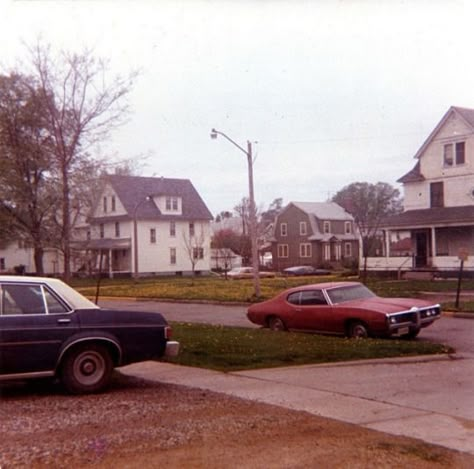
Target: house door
x,y
421,249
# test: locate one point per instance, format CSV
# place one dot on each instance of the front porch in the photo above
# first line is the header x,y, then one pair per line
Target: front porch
x,y
435,249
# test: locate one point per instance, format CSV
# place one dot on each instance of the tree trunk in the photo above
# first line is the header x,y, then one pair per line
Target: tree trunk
x,y
66,229
38,257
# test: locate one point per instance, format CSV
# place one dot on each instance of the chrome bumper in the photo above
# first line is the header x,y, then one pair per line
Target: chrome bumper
x,y
172,348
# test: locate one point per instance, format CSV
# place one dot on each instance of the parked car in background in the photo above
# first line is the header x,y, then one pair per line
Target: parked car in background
x,y
301,270
47,329
344,308
247,272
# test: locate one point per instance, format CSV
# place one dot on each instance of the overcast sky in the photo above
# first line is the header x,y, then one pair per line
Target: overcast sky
x,y
330,92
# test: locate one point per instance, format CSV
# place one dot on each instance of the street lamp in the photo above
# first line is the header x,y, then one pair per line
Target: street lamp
x,y
253,215
135,234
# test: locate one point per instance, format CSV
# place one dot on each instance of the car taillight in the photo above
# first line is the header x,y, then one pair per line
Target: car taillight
x,y
168,332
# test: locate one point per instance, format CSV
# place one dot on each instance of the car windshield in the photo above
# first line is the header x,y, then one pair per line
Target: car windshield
x,y
348,293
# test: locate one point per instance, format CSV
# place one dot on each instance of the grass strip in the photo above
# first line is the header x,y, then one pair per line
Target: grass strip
x,y
225,348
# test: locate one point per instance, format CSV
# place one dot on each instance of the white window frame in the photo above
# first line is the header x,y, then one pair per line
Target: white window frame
x,y
173,256
284,229
347,249
117,229
303,228
326,227
348,227
282,251
173,229
305,250
327,252
153,235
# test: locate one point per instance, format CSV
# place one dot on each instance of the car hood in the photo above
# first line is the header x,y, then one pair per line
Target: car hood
x,y
386,305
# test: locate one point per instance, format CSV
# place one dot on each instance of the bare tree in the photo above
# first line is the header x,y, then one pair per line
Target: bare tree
x,y
194,244
81,107
27,197
369,204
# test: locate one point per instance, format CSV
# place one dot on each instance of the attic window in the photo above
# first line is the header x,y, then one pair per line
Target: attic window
x,y
171,204
454,153
327,227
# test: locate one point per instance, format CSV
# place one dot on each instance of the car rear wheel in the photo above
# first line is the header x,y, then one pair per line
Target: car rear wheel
x,y
276,324
358,330
86,369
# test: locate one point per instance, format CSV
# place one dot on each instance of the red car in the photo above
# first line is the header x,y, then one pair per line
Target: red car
x,y
344,308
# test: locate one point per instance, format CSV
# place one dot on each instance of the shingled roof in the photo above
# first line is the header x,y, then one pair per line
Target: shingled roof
x,y
133,189
438,216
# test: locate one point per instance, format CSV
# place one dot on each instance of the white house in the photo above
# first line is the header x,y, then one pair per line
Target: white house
x,y
436,228
148,226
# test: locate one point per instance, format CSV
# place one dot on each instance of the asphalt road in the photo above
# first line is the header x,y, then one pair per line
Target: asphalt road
x,y
456,332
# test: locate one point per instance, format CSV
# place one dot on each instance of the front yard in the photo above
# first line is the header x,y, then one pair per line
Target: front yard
x,y
217,289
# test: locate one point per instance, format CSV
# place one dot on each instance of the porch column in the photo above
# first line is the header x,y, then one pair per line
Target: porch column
x,y
111,275
433,244
387,242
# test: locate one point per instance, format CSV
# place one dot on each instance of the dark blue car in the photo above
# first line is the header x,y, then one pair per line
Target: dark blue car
x,y
47,329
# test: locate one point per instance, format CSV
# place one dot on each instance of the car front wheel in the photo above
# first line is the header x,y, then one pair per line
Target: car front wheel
x,y
86,369
276,324
358,330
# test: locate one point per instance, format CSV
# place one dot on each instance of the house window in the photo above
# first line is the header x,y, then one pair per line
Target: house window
x,y
283,250
448,155
198,253
191,229
460,150
347,250
348,227
284,229
117,229
2,263
327,227
303,228
437,194
172,229
152,235
327,252
104,201
172,256
305,250
101,230
171,204
88,235
113,203
454,153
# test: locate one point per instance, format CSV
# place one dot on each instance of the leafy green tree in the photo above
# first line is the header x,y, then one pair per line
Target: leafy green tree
x,y
369,204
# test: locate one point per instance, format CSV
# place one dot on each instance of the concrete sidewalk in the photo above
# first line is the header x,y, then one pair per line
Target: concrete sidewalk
x,y
377,394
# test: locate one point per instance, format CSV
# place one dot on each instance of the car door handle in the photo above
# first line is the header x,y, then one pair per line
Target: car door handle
x,y
64,321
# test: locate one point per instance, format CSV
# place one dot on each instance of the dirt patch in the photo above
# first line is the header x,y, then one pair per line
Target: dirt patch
x,y
142,424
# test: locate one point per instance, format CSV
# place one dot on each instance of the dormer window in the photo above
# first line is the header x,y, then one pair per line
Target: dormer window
x,y
454,153
171,204
113,203
327,227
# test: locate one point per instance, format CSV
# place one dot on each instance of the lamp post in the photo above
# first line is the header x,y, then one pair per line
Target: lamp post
x,y
135,235
252,214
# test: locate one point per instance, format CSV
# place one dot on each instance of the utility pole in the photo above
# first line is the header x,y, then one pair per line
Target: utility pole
x,y
252,209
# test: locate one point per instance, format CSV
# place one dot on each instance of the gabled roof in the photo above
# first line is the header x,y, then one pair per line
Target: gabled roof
x,y
414,175
134,190
323,210
467,115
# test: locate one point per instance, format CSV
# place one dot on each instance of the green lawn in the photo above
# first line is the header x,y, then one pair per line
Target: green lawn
x,y
233,348
221,290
